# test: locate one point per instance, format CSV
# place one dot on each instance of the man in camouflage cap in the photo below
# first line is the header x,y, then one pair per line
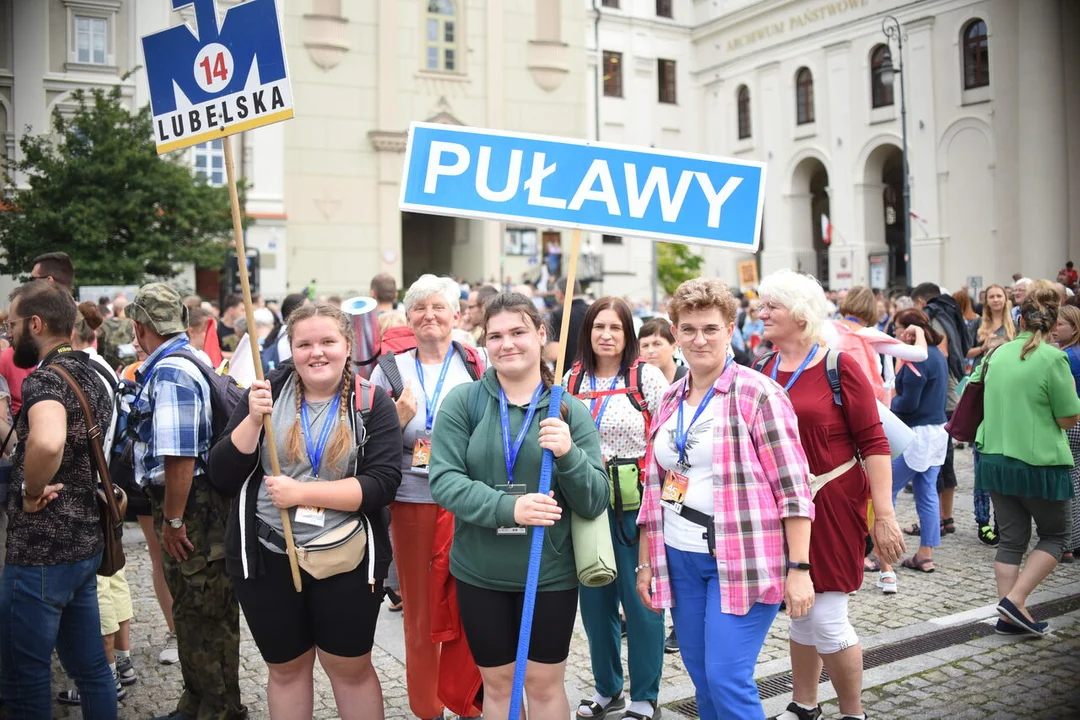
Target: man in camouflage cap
x,y
174,413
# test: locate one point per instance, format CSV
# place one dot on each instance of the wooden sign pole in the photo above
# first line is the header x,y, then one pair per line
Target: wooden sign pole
x,y
568,301
249,308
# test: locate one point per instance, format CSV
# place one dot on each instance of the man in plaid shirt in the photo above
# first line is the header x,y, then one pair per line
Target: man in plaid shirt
x,y
172,424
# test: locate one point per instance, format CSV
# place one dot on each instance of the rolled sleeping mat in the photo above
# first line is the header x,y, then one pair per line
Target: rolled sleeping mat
x,y
594,553
366,338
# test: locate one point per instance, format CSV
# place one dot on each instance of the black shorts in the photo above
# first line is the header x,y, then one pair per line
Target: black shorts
x,y
492,621
946,479
336,614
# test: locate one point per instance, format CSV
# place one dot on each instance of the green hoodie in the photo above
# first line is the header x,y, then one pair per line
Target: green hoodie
x,y
467,463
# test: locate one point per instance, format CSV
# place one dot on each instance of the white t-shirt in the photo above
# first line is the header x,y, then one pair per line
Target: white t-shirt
x,y
110,432
415,486
679,532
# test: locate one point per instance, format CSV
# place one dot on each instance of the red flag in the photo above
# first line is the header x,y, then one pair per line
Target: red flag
x,y
211,346
826,229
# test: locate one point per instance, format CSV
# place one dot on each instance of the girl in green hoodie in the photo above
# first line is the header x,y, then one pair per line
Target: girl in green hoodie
x,y
486,451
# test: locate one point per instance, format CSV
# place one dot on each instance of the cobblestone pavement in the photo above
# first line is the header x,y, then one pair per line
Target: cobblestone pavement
x,y
987,684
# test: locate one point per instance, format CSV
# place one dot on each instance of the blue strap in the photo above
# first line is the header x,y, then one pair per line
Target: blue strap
x,y
682,436
431,402
149,371
599,416
315,449
532,579
511,452
799,371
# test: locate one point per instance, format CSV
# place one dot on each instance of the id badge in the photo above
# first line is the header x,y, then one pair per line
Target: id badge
x,y
310,515
517,490
421,454
673,493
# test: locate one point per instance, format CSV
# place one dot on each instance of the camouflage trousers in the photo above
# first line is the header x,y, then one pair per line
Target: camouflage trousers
x,y
205,611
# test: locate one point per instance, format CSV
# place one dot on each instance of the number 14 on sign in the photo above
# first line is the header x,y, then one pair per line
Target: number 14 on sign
x,y
213,67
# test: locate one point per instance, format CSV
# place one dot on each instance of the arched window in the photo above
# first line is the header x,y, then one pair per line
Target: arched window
x,y
881,94
441,40
976,55
744,112
804,96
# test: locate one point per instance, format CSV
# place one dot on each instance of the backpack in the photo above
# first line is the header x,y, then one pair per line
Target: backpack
x,y
832,371
225,394
631,378
858,348
115,341
365,401
473,363
109,433
632,389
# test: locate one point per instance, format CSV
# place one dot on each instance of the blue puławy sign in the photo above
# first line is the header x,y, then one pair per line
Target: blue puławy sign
x,y
618,190
220,81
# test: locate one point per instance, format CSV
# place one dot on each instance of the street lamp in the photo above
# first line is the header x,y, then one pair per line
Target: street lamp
x,y
887,74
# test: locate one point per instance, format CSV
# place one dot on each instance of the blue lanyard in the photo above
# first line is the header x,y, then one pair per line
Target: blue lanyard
x,y
681,436
598,416
511,453
148,373
852,318
430,403
795,375
315,450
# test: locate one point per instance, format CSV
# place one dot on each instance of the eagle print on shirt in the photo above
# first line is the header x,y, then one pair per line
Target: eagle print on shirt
x,y
697,433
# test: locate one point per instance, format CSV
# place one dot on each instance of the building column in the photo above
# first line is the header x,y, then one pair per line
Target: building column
x,y
30,65
1043,180
1070,27
389,144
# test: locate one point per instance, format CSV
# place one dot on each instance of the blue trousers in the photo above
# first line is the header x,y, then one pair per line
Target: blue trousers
x,y
46,607
644,628
926,498
981,498
719,650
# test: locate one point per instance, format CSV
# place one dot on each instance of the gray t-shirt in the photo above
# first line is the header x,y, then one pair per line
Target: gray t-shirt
x,y
414,481
283,417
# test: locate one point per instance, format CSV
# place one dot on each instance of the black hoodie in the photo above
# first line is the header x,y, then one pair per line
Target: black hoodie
x,y
946,311
378,470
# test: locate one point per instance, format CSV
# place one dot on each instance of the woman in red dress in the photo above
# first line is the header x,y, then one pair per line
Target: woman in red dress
x,y
849,458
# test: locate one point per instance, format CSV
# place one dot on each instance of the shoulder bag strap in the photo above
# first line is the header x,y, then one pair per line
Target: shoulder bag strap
x,y
94,437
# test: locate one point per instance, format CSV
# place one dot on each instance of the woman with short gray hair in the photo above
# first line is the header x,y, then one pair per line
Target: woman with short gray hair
x,y
419,380
841,432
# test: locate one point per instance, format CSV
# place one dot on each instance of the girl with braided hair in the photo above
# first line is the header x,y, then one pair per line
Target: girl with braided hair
x,y
340,468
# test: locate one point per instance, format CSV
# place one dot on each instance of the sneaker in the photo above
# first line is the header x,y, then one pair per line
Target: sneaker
x,y
395,600
71,696
170,655
125,670
671,645
988,536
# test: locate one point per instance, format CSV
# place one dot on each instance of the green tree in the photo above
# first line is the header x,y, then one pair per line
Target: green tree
x,y
675,264
96,189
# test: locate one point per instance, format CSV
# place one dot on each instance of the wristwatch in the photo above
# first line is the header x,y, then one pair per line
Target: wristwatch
x,y
798,566
177,523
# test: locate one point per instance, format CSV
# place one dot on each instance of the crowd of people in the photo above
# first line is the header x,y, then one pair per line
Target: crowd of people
x,y
743,452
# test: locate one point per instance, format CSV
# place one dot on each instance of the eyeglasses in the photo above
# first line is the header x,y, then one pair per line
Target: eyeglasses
x,y
39,277
9,326
689,332
769,307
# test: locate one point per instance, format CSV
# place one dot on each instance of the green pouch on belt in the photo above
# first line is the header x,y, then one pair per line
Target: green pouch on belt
x,y
624,478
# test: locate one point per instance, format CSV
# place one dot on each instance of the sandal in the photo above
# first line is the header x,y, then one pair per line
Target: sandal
x,y
912,564
889,588
600,711
638,716
948,525
870,564
913,529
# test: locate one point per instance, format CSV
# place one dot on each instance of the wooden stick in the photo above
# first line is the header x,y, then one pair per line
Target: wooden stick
x,y
245,287
568,300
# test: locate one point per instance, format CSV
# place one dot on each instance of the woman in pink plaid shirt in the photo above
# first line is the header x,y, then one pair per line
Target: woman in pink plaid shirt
x,y
726,506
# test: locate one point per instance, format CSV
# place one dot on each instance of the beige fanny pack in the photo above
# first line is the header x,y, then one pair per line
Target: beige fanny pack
x,y
819,481
337,551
